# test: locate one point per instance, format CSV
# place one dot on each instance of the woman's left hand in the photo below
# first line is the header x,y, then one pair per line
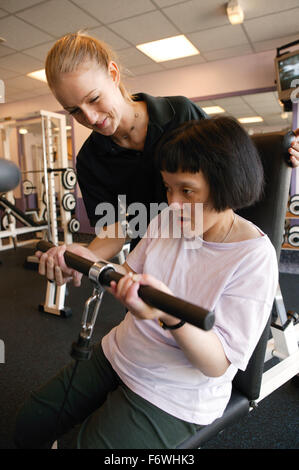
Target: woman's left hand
x,y
126,291
294,150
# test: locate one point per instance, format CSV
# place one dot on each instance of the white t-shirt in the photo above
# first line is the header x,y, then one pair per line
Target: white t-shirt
x,y
237,281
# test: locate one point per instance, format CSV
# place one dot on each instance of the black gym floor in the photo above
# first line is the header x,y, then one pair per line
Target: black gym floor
x,y
38,344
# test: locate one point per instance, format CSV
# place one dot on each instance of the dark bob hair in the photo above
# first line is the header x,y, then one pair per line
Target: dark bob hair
x,y
223,151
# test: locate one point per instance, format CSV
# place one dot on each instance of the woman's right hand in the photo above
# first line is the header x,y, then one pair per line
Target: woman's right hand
x,y
52,264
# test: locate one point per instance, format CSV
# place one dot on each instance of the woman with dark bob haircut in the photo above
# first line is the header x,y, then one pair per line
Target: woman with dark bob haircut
x,y
224,152
153,380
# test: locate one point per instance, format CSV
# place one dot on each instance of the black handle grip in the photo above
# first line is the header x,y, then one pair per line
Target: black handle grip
x,y
179,308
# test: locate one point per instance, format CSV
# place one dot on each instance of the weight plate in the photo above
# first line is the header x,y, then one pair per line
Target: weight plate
x,y
69,178
74,225
293,236
27,187
294,229
6,220
69,202
294,207
294,204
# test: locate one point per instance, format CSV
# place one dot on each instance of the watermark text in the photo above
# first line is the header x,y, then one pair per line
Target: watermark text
x,y
178,220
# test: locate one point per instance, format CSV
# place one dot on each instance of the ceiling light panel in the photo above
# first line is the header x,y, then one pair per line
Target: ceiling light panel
x,y
250,120
213,109
171,48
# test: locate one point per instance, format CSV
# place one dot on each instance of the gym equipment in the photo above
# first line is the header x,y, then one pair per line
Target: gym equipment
x,y
294,204
53,162
19,214
28,187
293,236
10,175
9,179
74,225
6,220
68,202
292,240
69,178
48,176
102,273
8,223
12,213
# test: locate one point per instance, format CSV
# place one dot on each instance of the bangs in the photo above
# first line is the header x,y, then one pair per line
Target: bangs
x,y
178,154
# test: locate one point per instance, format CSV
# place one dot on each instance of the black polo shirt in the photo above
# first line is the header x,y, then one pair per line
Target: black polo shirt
x,y
106,170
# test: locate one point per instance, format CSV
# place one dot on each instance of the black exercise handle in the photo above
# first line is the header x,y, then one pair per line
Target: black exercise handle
x,y
179,308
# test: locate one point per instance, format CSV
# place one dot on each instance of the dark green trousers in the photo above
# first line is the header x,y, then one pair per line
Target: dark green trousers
x,y
103,411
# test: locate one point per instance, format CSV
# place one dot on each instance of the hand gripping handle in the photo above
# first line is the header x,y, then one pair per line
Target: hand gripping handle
x,y
175,306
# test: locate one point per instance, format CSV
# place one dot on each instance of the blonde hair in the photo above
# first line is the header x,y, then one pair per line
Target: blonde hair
x,y
72,50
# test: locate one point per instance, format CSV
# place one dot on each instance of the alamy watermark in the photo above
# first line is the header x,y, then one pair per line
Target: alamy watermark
x,y
2,352
167,221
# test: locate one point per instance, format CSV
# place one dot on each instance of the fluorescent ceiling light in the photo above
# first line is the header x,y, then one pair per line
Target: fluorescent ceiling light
x,y
213,109
249,120
235,12
39,75
172,48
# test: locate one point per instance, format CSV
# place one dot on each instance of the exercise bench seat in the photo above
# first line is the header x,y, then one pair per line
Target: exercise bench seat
x,y
237,408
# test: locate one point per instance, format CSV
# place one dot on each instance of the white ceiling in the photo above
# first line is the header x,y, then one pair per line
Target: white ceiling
x,y
265,105
30,27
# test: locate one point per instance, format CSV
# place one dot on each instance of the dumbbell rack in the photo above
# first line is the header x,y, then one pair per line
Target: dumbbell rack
x,y
291,235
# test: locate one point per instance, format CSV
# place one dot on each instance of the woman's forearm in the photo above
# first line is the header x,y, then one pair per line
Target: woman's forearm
x,y
203,349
